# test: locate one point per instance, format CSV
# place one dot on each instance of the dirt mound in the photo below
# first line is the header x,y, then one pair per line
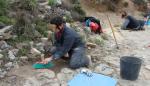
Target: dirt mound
x,y
108,5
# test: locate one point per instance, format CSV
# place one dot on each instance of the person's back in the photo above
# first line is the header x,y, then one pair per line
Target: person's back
x,y
70,33
89,20
133,23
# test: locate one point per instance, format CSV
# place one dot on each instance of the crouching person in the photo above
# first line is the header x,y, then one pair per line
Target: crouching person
x,y
67,41
131,23
94,24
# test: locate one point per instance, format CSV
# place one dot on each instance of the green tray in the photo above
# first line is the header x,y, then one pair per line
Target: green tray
x,y
43,66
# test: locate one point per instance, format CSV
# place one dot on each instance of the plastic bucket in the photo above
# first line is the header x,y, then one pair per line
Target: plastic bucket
x,y
130,67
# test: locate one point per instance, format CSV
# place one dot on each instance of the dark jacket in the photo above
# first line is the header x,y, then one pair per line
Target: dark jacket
x,y
133,23
67,42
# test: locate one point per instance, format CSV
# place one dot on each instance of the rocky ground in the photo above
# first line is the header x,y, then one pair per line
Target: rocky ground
x,y
130,43
105,57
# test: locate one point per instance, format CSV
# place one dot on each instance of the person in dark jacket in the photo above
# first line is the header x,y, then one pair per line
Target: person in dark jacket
x,y
67,41
131,23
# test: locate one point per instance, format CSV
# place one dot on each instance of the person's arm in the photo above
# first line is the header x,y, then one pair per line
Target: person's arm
x,y
68,42
125,24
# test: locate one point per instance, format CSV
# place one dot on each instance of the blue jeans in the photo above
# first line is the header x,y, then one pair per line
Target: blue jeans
x,y
77,56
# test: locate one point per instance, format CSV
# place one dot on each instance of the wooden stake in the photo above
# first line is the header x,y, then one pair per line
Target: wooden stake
x,y
113,32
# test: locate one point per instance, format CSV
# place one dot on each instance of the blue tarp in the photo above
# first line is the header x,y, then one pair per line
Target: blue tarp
x,y
95,80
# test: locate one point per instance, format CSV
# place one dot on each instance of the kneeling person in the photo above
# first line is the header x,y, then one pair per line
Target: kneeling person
x,y
67,41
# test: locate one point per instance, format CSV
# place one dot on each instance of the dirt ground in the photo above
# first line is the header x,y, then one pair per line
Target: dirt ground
x,y
130,42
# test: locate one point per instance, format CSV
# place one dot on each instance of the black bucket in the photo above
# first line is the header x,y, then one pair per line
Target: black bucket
x,y
130,67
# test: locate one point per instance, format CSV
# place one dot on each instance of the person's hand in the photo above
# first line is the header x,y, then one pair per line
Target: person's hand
x,y
45,61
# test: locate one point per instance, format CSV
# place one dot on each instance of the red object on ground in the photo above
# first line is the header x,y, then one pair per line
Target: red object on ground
x,y
94,26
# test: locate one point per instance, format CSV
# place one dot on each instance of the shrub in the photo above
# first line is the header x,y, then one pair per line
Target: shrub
x,y
18,39
3,7
76,16
125,4
79,9
68,18
75,1
51,2
41,27
7,20
29,4
99,41
24,51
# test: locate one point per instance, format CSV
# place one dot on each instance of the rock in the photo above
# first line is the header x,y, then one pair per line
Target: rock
x,y
3,74
61,77
64,84
23,46
92,45
67,71
44,39
9,65
24,58
58,2
147,67
54,84
34,51
1,61
0,70
47,74
31,43
1,56
15,51
40,46
47,7
2,25
41,16
104,69
64,77
90,60
31,82
43,3
4,45
11,55
5,29
104,36
89,48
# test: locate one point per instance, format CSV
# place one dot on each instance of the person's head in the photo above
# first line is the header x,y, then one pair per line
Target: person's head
x,y
56,24
123,14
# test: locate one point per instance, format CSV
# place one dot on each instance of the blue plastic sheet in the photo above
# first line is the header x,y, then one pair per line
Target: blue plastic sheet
x,y
95,80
